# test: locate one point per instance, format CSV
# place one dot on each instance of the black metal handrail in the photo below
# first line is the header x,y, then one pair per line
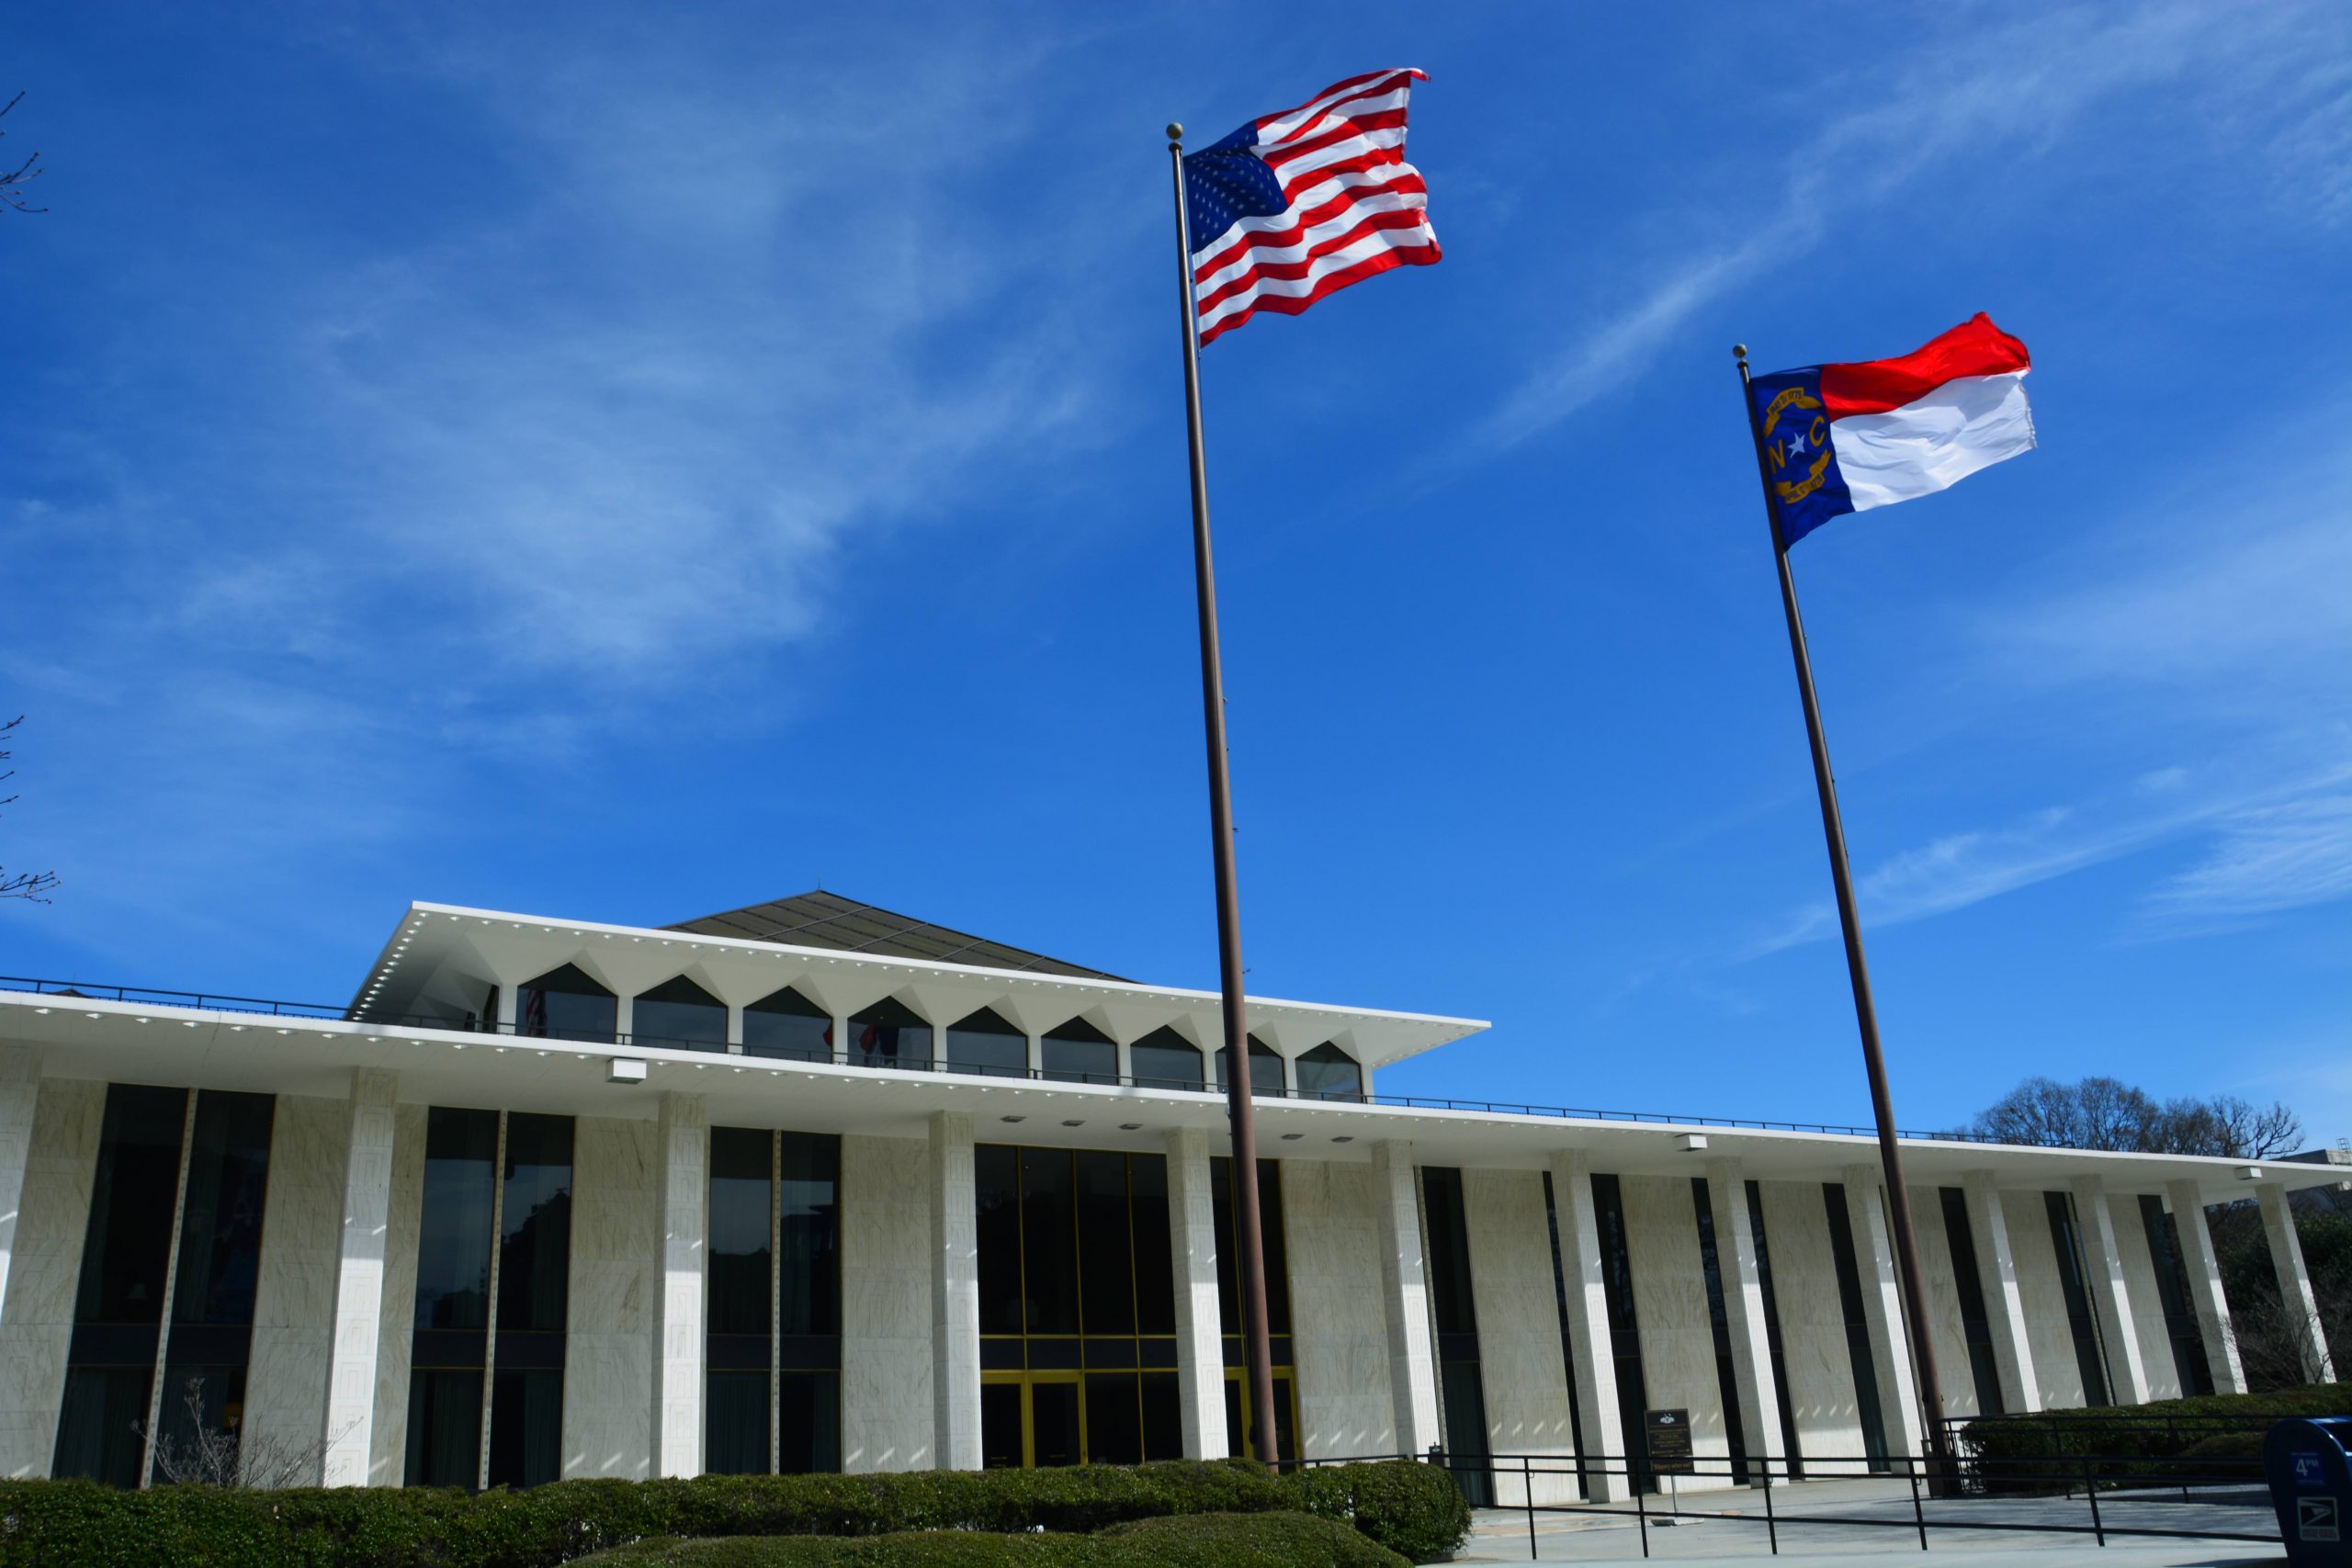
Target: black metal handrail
x,y
1766,1473
213,1002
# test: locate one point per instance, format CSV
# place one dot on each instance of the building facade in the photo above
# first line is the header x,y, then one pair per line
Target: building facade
x,y
810,1187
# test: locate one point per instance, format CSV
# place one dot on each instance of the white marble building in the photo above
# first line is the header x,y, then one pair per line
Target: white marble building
x,y
810,1186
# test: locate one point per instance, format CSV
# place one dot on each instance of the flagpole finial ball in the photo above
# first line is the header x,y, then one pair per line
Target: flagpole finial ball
x,y
1739,351
1175,130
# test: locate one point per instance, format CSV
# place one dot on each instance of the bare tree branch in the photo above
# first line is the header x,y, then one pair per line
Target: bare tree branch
x,y
33,886
13,182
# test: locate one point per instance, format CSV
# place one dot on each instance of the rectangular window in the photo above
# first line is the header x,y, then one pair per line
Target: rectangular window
x,y
1718,1326
1960,1239
1076,1300
521,1207
2065,1239
1624,1331
1867,1408
773,1303
1454,1304
150,1168
2172,1286
1790,1452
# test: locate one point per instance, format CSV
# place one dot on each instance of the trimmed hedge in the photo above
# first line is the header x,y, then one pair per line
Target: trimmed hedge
x,y
1411,1508
1198,1540
2047,1453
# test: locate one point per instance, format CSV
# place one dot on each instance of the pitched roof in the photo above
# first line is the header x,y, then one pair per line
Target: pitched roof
x,y
828,919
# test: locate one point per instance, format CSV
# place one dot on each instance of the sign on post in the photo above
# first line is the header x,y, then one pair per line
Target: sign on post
x,y
1668,1433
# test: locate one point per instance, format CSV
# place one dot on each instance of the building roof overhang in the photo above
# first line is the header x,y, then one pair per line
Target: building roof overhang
x,y
76,1037
507,949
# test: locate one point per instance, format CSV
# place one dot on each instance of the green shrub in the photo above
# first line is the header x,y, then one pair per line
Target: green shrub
x,y
1197,1540
2128,1442
1409,1508
1415,1510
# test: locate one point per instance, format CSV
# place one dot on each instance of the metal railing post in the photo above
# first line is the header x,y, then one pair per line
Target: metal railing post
x,y
1641,1508
1771,1525
1918,1514
1527,1496
2090,1488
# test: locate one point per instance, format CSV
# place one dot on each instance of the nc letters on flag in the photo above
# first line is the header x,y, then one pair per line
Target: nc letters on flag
x,y
1848,438
1295,206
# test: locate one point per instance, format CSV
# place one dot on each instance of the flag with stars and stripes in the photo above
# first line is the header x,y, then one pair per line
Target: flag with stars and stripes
x,y
1295,206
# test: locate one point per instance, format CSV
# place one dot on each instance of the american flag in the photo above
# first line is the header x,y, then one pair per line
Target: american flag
x,y
1298,205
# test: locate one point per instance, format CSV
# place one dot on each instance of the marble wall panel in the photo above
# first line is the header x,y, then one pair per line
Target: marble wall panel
x,y
388,1457
1339,1320
1670,1303
1953,1369
2039,1285
887,1414
1819,1365
301,1234
1518,1300
608,1336
2156,1358
45,1271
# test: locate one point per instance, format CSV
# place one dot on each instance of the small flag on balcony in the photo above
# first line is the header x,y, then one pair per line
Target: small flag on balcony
x,y
1295,206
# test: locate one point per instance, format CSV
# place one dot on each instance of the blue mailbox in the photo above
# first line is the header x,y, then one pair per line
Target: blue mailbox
x,y
2311,1486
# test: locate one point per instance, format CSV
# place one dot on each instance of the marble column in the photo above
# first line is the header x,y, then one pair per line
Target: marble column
x,y
2127,1370
1412,1357
1524,1377
1883,1311
1200,1347
19,1094
1592,1371
682,1177
2295,1285
1996,1273
349,1431
955,1295
2203,1267
1752,1341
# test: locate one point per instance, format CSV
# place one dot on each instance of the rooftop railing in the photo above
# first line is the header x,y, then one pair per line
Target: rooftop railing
x,y
214,1003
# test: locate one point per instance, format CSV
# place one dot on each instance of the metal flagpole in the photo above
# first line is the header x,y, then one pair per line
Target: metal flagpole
x,y
1247,1235
1898,1199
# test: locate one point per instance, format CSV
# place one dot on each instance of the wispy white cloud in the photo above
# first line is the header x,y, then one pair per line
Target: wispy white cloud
x,y
2250,78
2264,859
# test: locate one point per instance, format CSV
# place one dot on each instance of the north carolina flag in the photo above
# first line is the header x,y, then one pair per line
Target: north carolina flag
x,y
1847,437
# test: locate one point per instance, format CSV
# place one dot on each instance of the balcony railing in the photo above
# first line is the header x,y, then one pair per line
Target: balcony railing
x,y
212,1003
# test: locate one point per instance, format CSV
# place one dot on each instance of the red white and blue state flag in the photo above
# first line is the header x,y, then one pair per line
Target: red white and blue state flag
x,y
1295,206
1842,439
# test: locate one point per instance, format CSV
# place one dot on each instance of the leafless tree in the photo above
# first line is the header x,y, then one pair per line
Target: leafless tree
x,y
32,884
2108,1113
15,183
215,1457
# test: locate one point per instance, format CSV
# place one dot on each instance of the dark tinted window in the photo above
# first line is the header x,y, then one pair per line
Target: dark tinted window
x,y
742,1212
1079,1052
986,1043
679,1012
1265,1068
1329,1073
128,1242
566,1005
2065,1237
1165,1059
996,1182
1711,1271
228,1172
789,1025
453,1248
1858,1329
808,1269
1975,1326
1454,1303
535,1254
889,1034
1049,1241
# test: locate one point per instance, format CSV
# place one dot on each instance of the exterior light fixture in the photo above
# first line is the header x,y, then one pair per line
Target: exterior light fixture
x,y
624,1070
1692,1143
2245,1172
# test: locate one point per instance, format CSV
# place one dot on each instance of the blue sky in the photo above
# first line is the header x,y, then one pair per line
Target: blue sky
x,y
632,462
